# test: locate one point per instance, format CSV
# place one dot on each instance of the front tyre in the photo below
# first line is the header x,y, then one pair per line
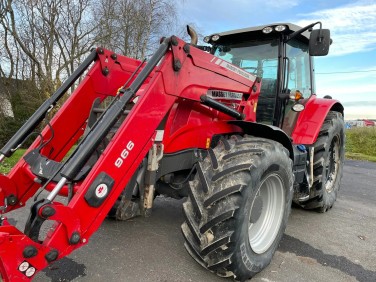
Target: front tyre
x,y
238,206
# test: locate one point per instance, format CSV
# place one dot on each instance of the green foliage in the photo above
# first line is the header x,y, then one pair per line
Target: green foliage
x,y
25,98
8,163
361,143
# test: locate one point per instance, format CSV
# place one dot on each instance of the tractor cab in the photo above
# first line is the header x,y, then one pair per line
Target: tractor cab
x,y
281,55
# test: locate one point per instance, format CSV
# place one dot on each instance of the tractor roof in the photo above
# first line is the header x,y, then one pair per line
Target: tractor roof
x,y
290,29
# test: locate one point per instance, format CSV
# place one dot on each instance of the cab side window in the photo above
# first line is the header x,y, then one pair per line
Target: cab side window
x,y
299,77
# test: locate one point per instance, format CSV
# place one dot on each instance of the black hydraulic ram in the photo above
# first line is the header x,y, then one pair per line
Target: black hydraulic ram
x,y
221,107
39,115
87,146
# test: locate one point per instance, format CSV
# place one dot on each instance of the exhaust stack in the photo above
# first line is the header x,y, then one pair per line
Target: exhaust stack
x,y
193,34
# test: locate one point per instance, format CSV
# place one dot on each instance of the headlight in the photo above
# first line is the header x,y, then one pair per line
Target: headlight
x,y
298,107
215,37
280,28
267,29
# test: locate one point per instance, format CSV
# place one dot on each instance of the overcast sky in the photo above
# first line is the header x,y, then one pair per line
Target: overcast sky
x,y
348,73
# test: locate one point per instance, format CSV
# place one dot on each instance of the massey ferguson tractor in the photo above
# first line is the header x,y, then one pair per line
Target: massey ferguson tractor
x,y
234,126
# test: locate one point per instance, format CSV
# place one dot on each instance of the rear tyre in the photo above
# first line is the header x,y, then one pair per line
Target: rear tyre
x,y
238,206
328,161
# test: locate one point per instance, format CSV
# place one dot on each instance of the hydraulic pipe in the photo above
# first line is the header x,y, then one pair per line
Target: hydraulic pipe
x,y
221,107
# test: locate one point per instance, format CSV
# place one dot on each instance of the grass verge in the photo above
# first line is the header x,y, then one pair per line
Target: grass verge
x,y
361,143
8,163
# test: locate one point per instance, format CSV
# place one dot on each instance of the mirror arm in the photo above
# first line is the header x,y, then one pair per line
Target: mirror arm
x,y
284,96
300,31
320,33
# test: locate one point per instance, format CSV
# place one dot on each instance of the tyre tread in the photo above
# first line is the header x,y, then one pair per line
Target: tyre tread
x,y
213,205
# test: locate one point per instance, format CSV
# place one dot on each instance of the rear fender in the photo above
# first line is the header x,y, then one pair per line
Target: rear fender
x,y
311,119
265,131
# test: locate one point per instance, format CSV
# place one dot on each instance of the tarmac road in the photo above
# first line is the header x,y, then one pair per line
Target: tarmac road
x,y
336,246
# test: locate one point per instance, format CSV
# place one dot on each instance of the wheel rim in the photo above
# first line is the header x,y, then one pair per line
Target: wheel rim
x,y
332,164
264,227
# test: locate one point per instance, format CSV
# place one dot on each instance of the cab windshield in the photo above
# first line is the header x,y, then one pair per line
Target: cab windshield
x,y
257,57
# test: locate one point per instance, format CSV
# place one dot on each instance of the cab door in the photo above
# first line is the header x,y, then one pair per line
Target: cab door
x,y
298,77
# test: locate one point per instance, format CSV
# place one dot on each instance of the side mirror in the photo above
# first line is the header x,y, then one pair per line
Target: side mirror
x,y
319,42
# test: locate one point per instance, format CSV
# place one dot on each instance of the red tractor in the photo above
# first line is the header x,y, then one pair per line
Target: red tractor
x,y
235,127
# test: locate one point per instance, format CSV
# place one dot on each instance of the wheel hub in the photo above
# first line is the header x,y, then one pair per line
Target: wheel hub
x,y
266,213
256,209
332,164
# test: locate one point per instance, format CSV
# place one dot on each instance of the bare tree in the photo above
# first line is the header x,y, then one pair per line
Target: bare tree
x,y
77,35
133,27
43,41
52,35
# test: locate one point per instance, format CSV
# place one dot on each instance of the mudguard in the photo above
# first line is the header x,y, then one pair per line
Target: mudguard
x,y
311,119
265,131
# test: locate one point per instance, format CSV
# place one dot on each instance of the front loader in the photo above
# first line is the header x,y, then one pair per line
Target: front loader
x,y
235,127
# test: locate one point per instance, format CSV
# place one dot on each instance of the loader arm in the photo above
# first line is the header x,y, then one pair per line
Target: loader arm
x,y
173,73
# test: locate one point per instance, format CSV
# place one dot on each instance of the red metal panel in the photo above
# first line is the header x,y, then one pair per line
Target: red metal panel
x,y
191,125
311,119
